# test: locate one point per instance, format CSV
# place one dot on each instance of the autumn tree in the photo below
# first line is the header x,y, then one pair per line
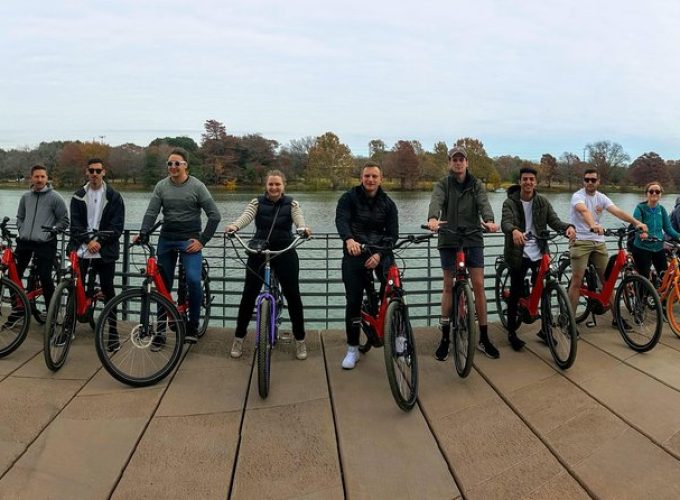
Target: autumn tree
x,y
508,167
377,151
256,155
220,153
479,163
71,165
294,157
330,159
404,164
548,168
608,158
126,163
647,168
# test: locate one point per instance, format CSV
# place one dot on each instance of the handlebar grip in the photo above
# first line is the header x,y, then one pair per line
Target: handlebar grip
x,y
424,226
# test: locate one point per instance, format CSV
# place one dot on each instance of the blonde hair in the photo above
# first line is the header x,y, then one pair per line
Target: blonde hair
x,y
275,173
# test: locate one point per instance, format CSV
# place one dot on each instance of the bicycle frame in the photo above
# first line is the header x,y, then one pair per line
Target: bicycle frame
x,y
605,295
266,294
392,289
532,302
9,265
83,301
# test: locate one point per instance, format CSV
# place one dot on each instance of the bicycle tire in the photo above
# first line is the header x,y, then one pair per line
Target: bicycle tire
x,y
150,335
463,328
14,306
583,308
638,296
60,325
401,361
502,290
559,329
264,348
673,316
206,303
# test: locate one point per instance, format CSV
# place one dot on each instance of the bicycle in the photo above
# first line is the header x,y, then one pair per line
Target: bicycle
x,y
74,300
635,298
558,324
462,320
388,325
16,302
269,304
152,327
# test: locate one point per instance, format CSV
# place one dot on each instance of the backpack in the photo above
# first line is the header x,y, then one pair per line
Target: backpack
x,y
630,238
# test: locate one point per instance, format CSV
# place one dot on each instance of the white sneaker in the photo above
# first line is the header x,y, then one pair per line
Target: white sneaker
x,y
237,348
300,350
351,357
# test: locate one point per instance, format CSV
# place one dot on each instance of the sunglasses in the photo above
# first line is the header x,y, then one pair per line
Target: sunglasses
x,y
590,179
176,163
654,191
95,170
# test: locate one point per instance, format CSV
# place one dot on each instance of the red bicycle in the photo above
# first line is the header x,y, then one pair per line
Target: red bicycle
x,y
639,315
387,324
74,300
16,302
558,326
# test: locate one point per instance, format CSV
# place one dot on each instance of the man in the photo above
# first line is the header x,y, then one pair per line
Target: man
x,y
587,208
98,207
181,197
364,215
525,211
40,206
460,201
675,215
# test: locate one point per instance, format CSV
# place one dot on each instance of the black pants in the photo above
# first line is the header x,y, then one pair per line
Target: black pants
x,y
287,269
356,279
44,253
645,258
105,271
517,276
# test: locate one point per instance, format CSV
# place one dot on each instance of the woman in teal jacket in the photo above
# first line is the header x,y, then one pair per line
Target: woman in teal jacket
x,y
652,213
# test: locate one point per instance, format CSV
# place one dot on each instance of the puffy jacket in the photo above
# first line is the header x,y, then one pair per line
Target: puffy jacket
x,y
542,214
113,219
460,206
41,208
281,234
367,220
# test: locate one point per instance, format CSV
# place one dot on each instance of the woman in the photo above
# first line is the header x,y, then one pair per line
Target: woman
x,y
273,213
654,215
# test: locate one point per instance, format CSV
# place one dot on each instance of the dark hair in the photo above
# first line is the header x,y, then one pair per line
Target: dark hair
x,y
591,170
181,152
371,164
94,160
38,167
528,170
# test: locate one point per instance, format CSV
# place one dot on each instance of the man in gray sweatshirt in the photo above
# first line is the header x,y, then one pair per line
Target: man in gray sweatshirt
x,y
40,206
182,197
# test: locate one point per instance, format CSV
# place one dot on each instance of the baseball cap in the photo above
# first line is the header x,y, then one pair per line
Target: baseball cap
x,y
458,150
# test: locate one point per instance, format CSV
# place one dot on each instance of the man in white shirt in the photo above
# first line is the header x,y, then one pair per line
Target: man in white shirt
x,y
587,208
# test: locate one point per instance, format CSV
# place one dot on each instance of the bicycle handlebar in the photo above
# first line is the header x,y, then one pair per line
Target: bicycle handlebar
x,y
545,236
297,241
410,239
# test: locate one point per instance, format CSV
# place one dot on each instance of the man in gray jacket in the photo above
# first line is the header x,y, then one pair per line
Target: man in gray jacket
x,y
40,206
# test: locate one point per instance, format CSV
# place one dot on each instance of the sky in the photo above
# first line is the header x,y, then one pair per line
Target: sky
x,y
524,77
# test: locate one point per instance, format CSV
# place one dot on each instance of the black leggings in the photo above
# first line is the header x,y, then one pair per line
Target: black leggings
x,y
44,253
287,269
645,258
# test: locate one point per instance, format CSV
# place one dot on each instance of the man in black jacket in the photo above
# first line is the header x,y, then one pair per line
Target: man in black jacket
x,y
364,215
98,207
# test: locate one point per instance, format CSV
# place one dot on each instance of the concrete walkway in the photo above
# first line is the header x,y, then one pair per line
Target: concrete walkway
x,y
515,428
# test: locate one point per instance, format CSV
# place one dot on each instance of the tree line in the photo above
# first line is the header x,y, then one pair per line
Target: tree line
x,y
325,162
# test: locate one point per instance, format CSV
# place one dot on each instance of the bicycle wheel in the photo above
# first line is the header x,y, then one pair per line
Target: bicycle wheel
x,y
206,303
15,309
401,361
564,277
502,292
463,328
638,313
673,310
558,325
264,346
139,337
60,325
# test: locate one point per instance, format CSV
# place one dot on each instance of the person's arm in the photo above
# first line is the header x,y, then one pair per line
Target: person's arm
x,y
298,218
60,212
78,226
509,224
483,205
246,217
626,217
668,227
210,208
588,218
392,224
435,210
116,222
152,210
21,213
343,214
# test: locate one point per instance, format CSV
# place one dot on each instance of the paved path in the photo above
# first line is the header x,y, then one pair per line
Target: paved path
x,y
515,428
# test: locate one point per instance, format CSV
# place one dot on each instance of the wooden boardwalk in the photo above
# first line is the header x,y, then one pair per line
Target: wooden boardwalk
x,y
517,427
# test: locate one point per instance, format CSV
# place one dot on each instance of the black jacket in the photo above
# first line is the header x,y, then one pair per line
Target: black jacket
x,y
113,219
367,220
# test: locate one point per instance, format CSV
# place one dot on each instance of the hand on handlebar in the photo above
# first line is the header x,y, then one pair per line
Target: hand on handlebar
x,y
353,247
433,224
597,229
231,228
518,238
491,227
642,228
570,233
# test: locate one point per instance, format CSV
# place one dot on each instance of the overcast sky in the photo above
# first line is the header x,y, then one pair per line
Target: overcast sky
x,y
525,77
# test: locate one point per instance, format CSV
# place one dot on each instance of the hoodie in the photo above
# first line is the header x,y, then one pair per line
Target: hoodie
x,y
41,208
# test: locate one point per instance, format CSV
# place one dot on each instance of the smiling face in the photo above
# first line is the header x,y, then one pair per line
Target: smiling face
x,y
274,186
527,184
653,194
458,165
177,168
371,178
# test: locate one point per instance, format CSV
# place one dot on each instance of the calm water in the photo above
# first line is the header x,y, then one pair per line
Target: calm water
x,y
319,208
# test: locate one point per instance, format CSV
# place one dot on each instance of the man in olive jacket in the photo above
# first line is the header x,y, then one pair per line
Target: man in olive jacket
x,y
525,211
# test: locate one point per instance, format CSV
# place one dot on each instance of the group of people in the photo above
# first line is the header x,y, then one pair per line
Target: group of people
x,y
366,218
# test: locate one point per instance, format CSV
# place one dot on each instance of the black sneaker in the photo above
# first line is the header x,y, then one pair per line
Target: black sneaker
x,y
488,348
191,335
13,318
516,343
626,325
113,343
157,343
442,352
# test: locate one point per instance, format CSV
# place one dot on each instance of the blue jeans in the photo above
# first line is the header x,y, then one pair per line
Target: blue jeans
x,y
166,253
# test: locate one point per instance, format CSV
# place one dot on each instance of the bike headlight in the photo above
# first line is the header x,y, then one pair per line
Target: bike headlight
x,y
461,265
